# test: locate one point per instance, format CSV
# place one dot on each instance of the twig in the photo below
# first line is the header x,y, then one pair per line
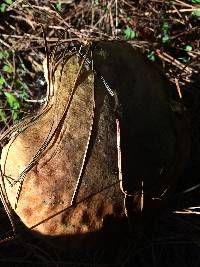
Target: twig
x,y
178,88
182,10
6,44
187,212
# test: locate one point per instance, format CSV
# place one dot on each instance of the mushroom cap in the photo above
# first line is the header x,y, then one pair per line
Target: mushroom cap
x,y
73,179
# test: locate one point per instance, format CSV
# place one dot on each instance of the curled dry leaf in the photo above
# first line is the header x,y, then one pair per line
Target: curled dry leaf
x,y
108,146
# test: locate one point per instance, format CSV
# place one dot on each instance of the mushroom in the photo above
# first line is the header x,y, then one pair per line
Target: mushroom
x,y
107,146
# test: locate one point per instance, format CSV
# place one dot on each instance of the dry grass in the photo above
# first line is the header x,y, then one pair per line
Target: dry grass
x,y
168,32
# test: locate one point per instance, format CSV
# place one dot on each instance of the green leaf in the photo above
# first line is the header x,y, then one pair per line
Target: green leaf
x,y
151,56
4,54
165,39
95,2
2,81
21,70
15,115
184,59
195,1
58,6
2,114
165,26
12,100
3,7
129,33
22,86
9,2
105,7
196,13
23,94
8,68
188,48
1,55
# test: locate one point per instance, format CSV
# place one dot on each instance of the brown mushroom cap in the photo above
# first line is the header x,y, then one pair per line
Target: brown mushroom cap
x,y
82,144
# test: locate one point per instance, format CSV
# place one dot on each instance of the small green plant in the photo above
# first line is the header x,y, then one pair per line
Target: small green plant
x,y
185,59
8,68
22,88
13,104
106,7
2,82
11,84
129,33
4,5
165,33
2,113
95,2
9,2
196,13
58,6
195,1
188,48
4,54
151,56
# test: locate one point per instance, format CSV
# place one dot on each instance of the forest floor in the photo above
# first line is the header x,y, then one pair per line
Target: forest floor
x,y
168,33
